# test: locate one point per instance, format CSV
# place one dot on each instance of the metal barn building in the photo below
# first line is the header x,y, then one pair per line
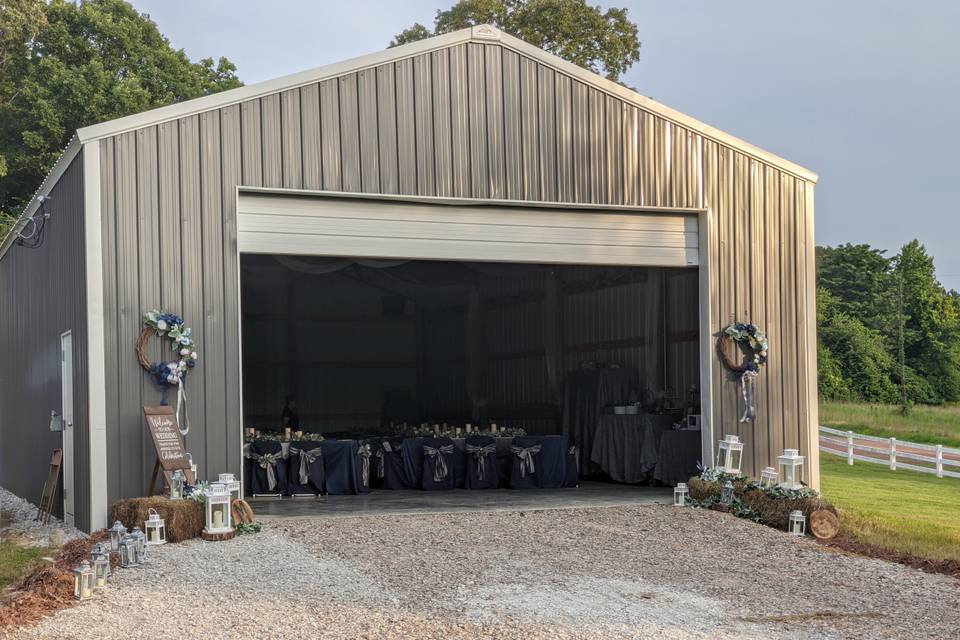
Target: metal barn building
x,y
471,146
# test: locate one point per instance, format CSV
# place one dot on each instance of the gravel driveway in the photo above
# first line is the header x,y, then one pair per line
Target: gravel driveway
x,y
618,572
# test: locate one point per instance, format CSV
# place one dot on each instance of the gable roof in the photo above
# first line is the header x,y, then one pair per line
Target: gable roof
x,y
479,34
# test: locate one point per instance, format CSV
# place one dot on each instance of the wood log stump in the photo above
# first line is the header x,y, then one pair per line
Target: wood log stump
x,y
824,524
218,537
241,511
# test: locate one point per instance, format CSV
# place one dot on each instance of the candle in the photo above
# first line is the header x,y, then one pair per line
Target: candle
x,y
458,431
218,519
86,590
154,535
493,427
101,581
468,427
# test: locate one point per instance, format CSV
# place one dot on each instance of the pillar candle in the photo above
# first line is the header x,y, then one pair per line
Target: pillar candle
x,y
154,535
493,427
458,431
101,581
468,427
218,519
86,590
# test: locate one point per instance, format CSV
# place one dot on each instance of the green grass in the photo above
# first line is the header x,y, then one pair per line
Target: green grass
x,y
930,425
905,511
16,562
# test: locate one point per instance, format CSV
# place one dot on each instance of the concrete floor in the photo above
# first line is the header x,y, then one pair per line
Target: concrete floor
x,y
588,494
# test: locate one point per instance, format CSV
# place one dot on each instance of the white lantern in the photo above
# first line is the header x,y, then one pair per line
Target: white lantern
x,y
232,484
83,581
768,477
100,559
128,552
726,494
218,509
798,523
117,533
791,469
155,528
176,485
730,455
680,494
141,542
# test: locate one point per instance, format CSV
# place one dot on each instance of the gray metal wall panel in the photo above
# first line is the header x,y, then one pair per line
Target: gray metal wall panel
x,y
291,139
47,287
449,124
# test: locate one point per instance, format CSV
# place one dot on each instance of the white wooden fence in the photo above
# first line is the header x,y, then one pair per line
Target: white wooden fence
x,y
897,454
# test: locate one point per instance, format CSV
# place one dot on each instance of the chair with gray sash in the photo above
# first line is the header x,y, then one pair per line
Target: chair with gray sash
x,y
526,460
482,471
573,467
438,471
305,472
269,476
391,457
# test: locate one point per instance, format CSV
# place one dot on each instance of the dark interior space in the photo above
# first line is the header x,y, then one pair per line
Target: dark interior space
x,y
367,345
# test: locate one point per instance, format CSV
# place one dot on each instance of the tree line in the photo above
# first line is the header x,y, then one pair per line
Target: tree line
x,y
888,331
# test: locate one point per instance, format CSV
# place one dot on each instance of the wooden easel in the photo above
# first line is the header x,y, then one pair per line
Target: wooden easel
x,y
171,453
50,487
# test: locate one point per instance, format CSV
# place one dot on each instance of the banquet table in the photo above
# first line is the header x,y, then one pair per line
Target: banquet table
x,y
627,447
343,472
677,458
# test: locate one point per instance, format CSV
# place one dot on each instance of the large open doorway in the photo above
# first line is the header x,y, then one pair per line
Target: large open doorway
x,y
604,357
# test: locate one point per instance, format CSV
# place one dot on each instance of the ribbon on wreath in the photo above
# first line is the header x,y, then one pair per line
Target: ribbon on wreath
x,y
748,388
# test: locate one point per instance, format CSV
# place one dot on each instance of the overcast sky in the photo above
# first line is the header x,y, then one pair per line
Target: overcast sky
x,y
866,93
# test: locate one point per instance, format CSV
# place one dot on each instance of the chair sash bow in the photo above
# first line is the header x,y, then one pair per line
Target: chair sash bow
x,y
480,456
363,451
307,458
268,462
526,455
379,455
574,451
439,454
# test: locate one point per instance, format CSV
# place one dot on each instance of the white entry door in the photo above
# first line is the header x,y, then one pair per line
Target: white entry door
x,y
66,395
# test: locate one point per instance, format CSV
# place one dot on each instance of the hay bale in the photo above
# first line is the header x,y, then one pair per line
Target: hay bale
x,y
703,490
183,519
775,512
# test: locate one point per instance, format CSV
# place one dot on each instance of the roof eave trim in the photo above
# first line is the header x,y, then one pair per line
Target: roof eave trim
x,y
53,177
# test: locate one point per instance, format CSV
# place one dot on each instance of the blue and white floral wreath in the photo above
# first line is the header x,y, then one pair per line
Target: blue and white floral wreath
x,y
750,336
173,373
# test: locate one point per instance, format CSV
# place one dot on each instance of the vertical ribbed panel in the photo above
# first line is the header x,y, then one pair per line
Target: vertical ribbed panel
x,y
472,120
291,139
369,140
423,111
387,128
310,130
406,127
442,149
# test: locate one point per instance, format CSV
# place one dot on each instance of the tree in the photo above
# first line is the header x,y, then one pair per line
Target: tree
x,y
66,65
603,41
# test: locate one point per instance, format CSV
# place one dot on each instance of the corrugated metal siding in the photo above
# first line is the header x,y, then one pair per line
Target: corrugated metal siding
x,y
45,296
447,123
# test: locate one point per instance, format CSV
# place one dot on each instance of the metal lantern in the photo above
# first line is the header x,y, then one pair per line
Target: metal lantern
x,y
231,482
798,523
155,529
680,494
128,552
768,477
117,533
730,455
141,542
218,509
791,469
176,485
100,558
726,494
83,581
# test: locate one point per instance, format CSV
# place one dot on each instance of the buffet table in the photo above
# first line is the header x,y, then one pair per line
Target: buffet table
x,y
627,447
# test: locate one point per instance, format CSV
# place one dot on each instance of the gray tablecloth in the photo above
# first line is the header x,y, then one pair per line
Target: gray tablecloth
x,y
679,453
626,446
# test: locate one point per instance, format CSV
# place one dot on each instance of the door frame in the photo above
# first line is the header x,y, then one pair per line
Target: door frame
x,y
707,246
67,414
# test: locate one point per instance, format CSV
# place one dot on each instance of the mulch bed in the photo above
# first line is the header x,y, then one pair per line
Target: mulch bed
x,y
47,588
847,544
